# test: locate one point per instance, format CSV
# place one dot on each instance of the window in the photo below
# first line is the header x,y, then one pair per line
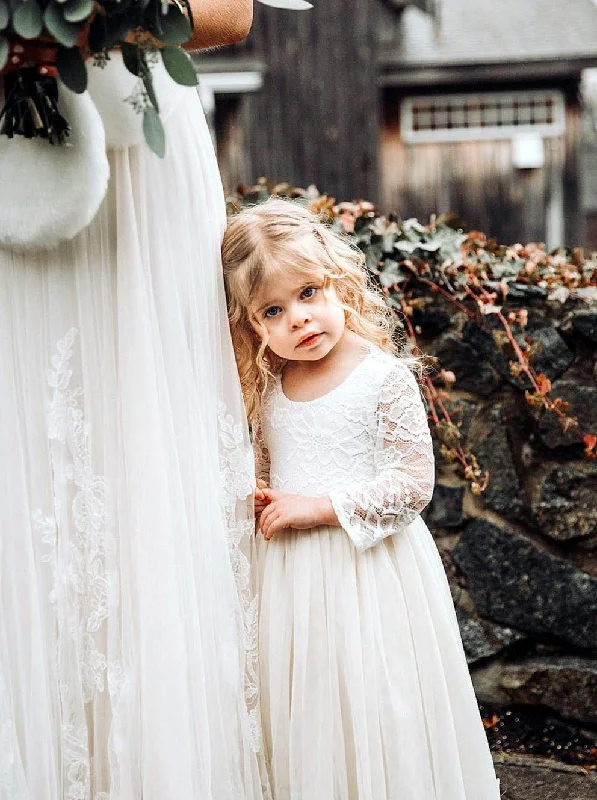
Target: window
x,y
490,115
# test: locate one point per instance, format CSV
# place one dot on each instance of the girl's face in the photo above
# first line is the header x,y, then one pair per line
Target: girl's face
x,y
303,322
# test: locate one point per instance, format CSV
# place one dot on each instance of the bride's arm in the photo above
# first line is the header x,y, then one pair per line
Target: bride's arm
x,y
219,22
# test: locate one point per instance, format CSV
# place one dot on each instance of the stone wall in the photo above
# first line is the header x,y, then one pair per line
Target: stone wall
x,y
522,557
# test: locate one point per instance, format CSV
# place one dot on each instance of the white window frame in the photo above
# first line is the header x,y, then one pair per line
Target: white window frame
x,y
212,83
546,130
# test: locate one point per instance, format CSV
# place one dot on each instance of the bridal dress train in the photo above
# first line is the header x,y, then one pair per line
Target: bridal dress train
x,y
128,622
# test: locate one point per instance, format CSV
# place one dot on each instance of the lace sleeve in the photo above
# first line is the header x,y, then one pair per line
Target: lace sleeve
x,y
262,460
404,464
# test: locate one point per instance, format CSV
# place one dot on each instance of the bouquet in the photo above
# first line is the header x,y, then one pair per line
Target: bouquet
x,y
45,49
41,40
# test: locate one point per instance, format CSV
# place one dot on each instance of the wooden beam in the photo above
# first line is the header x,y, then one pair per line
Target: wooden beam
x,y
450,75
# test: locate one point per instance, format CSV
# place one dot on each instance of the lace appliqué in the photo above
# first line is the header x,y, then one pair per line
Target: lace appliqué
x,y
237,481
77,544
404,466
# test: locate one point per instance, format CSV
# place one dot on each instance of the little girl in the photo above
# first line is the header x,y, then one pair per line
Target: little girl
x,y
366,693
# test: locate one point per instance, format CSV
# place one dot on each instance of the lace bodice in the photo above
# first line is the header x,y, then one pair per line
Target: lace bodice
x,y
366,444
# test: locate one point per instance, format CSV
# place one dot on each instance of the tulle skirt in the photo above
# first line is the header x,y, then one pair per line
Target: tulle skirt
x,y
128,623
366,693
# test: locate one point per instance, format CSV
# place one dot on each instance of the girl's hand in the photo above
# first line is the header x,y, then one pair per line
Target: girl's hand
x,y
260,500
294,511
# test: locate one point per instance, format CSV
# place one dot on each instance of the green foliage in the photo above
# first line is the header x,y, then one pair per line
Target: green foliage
x,y
27,20
65,32
154,131
172,27
93,27
4,51
131,55
4,15
72,69
179,66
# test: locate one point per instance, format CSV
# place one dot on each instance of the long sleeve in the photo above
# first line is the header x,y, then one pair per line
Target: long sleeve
x,y
262,460
403,484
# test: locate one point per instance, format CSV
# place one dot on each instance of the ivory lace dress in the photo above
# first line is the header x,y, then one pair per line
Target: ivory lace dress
x,y
366,693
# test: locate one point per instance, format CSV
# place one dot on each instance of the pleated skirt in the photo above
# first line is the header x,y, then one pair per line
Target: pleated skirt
x,y
366,693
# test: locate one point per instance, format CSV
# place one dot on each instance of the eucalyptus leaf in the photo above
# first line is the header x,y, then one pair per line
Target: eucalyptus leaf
x,y
131,55
98,34
172,27
27,20
4,51
78,10
179,66
72,69
4,15
153,131
294,5
66,33
147,78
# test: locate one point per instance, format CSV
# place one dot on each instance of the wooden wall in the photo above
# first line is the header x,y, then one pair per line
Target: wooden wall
x,y
321,118
476,181
317,116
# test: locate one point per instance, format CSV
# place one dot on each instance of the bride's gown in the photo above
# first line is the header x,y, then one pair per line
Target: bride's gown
x,y
127,622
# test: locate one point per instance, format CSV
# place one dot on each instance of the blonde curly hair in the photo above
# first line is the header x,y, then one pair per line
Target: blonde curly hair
x,y
278,238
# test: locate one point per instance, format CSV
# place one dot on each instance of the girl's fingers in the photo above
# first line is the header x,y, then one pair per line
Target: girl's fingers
x,y
278,524
268,528
261,484
265,515
271,494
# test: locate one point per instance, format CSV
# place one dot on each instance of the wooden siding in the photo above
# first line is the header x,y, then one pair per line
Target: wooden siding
x,y
317,117
476,181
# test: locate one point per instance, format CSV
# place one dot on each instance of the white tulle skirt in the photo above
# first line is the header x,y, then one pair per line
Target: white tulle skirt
x,y
127,624
366,693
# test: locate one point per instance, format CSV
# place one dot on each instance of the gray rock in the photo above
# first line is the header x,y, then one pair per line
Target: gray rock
x,y
482,639
527,778
585,324
462,413
555,356
432,321
482,341
566,685
472,374
565,506
514,583
583,406
525,292
552,360
445,510
492,448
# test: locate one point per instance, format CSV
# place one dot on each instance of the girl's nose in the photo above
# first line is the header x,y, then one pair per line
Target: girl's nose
x,y
300,316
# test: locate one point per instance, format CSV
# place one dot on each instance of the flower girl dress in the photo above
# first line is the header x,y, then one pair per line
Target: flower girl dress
x,y
366,693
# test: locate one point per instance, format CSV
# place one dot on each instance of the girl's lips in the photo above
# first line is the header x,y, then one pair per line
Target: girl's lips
x,y
309,340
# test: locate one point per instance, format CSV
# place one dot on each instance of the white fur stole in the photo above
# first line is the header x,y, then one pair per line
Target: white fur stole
x,y
51,192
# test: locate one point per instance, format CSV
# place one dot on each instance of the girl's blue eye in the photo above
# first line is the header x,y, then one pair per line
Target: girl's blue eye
x,y
272,311
308,292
